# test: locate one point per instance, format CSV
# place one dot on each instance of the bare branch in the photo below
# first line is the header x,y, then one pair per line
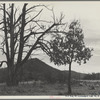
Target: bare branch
x,y
22,34
32,8
45,48
37,41
5,11
53,15
16,48
15,14
34,17
5,31
3,51
2,63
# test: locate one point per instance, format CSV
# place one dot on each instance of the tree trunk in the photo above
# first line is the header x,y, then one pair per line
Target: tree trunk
x,y
69,80
12,78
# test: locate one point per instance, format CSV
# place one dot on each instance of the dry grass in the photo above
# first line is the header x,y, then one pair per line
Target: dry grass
x,y
47,89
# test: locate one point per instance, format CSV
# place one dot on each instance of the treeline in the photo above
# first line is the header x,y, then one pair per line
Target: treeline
x,y
92,76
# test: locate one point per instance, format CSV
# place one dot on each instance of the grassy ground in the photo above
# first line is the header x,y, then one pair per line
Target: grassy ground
x,y
47,89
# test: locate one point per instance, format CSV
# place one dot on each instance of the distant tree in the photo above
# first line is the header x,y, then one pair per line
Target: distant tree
x,y
68,46
23,31
92,76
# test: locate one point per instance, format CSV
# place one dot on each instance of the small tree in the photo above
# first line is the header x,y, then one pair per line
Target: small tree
x,y
69,47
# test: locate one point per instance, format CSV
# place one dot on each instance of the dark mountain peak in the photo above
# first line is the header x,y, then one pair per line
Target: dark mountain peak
x,y
35,59
35,69
35,62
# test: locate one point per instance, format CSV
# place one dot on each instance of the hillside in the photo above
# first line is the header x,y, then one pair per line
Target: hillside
x,y
35,69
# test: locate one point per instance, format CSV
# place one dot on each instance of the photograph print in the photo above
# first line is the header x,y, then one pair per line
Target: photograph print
x,y
50,48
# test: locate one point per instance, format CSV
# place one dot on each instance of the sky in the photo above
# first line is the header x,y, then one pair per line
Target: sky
x,y
88,13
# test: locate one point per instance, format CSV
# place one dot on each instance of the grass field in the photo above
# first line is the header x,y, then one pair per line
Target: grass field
x,y
48,89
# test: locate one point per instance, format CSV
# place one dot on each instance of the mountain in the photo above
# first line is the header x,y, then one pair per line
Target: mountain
x,y
39,70
35,69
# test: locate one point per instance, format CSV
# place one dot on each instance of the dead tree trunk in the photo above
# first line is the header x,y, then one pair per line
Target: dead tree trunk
x,y
18,29
12,80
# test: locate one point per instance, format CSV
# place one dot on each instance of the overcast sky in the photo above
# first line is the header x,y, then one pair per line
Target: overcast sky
x,y
88,13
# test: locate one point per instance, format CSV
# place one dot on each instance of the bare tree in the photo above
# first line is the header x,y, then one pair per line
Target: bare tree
x,y
23,32
69,47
